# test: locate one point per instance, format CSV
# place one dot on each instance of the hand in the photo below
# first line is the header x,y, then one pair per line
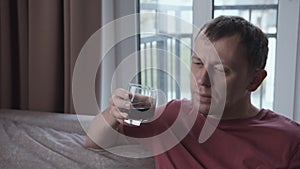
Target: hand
x,y
119,100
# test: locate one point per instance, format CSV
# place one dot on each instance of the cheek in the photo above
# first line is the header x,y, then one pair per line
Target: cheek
x,y
193,83
229,88
236,89
219,87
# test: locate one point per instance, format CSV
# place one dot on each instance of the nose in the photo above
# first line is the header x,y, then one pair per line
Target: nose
x,y
203,77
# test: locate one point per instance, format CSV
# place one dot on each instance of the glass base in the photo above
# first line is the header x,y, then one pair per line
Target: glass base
x,y
133,122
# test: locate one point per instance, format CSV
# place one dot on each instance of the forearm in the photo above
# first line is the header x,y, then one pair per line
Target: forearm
x,y
102,131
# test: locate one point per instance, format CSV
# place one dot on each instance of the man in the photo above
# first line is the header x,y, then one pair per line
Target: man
x,y
245,137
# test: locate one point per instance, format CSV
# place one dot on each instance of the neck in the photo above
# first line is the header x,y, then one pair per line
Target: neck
x,y
243,111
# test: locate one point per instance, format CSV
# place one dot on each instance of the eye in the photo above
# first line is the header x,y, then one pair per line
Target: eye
x,y
197,61
221,69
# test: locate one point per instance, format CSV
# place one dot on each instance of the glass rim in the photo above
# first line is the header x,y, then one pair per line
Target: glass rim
x,y
141,86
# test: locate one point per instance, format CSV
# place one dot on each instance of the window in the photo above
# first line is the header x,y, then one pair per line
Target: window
x,y
264,15
158,45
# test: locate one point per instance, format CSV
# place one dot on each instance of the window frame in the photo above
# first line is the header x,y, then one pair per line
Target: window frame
x,y
286,100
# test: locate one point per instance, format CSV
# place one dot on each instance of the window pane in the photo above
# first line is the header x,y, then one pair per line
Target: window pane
x,y
147,22
242,13
244,2
268,95
265,19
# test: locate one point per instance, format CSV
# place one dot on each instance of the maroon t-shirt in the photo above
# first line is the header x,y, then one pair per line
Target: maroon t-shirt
x,y
265,141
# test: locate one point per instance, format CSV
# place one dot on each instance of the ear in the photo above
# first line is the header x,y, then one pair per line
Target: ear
x,y
257,78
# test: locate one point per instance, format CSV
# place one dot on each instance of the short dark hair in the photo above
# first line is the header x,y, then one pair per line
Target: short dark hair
x,y
255,41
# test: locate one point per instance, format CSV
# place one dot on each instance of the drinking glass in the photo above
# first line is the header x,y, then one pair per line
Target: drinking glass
x,y
143,103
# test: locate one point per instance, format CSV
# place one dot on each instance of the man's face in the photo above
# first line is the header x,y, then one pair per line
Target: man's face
x,y
219,73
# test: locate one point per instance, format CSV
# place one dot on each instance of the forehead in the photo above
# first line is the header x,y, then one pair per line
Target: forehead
x,y
226,50
205,49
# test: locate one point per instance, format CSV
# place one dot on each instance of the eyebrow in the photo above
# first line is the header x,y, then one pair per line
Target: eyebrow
x,y
195,56
223,63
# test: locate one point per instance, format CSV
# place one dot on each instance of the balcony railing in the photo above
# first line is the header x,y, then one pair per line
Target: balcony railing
x,y
164,53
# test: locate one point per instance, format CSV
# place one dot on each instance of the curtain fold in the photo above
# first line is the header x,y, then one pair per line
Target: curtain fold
x,y
40,42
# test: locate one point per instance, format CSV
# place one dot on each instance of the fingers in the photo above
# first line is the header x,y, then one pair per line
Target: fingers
x,y
119,104
122,93
117,114
120,99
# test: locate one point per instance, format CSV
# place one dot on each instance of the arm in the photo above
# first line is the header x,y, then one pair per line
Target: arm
x,y
100,133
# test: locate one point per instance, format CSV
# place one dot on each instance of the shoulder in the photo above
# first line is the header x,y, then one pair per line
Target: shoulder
x,y
282,124
280,119
171,110
175,106
184,103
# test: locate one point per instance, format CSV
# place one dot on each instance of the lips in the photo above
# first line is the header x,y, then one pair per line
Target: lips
x,y
205,98
204,95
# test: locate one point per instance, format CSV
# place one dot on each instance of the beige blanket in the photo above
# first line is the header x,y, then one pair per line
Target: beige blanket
x,y
35,140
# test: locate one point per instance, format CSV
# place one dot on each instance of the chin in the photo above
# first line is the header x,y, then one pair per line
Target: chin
x,y
203,110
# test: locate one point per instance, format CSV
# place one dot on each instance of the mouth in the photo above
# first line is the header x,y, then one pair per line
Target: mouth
x,y
205,98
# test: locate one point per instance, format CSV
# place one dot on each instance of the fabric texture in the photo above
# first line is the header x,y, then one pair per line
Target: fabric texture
x,y
40,42
267,140
34,140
